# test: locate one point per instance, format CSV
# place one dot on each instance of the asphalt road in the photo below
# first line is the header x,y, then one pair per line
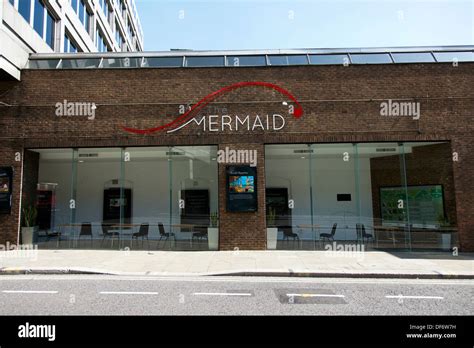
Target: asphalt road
x,y
113,295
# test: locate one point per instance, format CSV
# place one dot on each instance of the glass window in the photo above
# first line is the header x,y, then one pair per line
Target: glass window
x,y
278,60
82,10
246,61
121,62
374,58
163,62
298,59
415,57
454,56
328,59
12,2
204,61
86,63
50,24
24,7
66,43
38,21
74,5
43,63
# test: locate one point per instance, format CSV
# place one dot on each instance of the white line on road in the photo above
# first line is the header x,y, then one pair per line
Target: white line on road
x,y
314,295
128,293
222,294
417,297
28,292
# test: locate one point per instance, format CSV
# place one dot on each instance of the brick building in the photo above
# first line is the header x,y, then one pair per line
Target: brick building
x,y
113,145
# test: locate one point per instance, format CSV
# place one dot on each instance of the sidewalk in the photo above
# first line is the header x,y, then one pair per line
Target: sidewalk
x,y
373,264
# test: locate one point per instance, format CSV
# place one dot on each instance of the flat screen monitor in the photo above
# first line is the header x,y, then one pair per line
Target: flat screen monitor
x,y
241,189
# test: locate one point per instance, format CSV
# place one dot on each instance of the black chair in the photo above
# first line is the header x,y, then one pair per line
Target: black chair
x,y
163,234
143,233
107,234
365,235
288,233
329,236
200,234
86,231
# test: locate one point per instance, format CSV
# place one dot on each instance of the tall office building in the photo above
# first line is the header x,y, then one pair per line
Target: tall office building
x,y
46,26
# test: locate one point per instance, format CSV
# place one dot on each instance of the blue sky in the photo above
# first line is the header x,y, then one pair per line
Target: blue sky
x,y
269,24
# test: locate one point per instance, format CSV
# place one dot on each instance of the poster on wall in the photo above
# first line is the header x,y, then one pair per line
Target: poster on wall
x,y
241,188
6,188
425,204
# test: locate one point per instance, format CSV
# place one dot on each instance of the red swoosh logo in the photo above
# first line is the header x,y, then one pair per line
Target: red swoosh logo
x,y
298,110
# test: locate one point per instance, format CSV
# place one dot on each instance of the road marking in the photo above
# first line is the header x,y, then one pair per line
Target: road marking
x,y
28,292
417,297
314,295
128,293
222,294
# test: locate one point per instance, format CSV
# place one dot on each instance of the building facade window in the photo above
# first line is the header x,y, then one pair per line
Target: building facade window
x,y
50,33
69,46
38,18
24,7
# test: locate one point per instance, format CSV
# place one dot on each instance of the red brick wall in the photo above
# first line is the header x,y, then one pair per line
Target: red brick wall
x,y
341,104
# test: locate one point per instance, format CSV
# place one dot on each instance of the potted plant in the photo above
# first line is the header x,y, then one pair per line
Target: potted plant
x,y
272,230
213,232
29,230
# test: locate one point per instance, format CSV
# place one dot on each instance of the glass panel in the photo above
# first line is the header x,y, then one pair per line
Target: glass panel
x,y
415,57
163,62
24,7
43,63
38,20
288,197
335,193
103,199
246,61
327,59
298,60
80,63
82,9
278,60
53,197
383,196
194,197
146,170
454,56
121,62
50,30
374,58
74,5
204,61
431,196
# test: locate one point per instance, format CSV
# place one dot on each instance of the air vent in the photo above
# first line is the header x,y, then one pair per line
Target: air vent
x,y
303,151
88,155
386,149
174,153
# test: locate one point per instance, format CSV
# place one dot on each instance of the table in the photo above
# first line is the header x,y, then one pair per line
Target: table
x,y
316,227
120,227
188,228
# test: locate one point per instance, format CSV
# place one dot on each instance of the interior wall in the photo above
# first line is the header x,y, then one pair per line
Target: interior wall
x,y
330,176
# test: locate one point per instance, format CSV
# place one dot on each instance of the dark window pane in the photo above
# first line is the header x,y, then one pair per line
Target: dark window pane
x,y
74,5
66,43
82,9
454,56
415,57
24,7
325,59
204,61
375,58
12,2
85,63
38,20
246,61
163,62
72,48
298,60
43,64
50,30
121,62
278,60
